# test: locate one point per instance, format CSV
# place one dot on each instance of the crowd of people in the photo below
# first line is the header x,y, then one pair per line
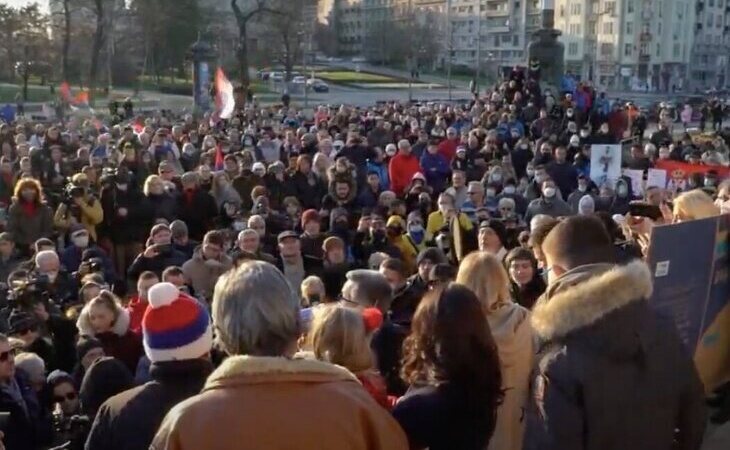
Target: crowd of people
x,y
441,276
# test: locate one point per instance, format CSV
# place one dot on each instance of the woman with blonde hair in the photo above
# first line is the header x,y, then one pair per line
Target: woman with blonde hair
x,y
694,205
341,335
485,275
158,203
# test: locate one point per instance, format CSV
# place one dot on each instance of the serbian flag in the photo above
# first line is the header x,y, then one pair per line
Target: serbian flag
x,y
224,101
65,92
218,157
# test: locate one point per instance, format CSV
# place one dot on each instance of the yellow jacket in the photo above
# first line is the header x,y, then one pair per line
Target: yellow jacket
x,y
436,221
91,216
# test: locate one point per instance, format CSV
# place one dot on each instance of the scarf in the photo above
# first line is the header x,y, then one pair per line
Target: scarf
x,y
29,208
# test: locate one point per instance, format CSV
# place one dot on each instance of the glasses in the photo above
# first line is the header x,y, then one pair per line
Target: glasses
x,y
4,356
62,398
25,331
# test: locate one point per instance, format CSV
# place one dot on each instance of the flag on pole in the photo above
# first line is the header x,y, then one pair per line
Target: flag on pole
x,y
224,101
82,98
65,92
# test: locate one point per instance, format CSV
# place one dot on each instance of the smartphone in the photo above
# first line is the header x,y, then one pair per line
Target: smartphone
x,y
644,210
164,248
4,421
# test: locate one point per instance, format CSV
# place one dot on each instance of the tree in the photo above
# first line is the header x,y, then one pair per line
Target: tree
x,y
66,38
242,21
99,36
34,42
290,33
10,24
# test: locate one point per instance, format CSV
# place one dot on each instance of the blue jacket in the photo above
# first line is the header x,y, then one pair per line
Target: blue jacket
x,y
436,169
382,171
71,260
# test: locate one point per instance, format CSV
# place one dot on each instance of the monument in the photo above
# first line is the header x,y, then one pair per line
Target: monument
x,y
545,51
202,55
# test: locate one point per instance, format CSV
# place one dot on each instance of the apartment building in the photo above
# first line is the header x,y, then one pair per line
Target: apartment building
x,y
656,45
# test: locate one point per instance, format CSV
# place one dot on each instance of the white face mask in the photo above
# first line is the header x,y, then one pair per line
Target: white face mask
x,y
509,189
81,241
491,192
239,225
549,192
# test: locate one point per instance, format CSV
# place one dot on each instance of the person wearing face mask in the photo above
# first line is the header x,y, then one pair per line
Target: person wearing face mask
x,y
158,255
72,255
520,156
374,239
510,191
29,217
62,285
550,203
562,172
620,204
539,174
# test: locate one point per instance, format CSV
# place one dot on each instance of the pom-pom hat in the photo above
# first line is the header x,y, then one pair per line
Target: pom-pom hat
x,y
175,326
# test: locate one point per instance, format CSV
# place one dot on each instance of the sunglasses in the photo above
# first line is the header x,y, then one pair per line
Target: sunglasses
x,y
4,356
27,330
62,398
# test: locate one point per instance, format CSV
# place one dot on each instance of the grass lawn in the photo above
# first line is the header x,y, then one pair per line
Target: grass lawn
x,y
35,93
349,76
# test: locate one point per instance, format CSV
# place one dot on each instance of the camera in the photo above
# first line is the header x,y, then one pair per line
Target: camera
x,y
71,431
26,293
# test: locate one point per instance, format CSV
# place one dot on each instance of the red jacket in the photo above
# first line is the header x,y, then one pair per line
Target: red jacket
x,y
447,148
401,170
136,309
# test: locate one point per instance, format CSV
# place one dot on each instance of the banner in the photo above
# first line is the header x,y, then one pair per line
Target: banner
x,y
637,181
691,286
656,178
678,172
605,164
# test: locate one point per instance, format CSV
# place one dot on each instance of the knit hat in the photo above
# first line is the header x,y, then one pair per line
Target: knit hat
x,y
498,227
175,326
85,344
178,228
21,321
433,254
310,215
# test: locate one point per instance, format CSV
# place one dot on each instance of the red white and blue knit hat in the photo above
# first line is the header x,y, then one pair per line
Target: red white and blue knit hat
x,y
175,326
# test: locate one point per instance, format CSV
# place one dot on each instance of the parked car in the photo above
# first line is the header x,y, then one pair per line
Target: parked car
x,y
318,85
276,76
358,59
299,79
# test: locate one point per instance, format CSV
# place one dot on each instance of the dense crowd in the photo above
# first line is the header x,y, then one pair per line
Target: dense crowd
x,y
442,276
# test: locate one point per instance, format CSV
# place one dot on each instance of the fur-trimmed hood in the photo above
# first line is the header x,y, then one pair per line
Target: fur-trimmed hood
x,y
120,328
585,294
238,370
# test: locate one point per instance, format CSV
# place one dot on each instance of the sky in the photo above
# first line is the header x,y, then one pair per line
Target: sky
x,y
43,3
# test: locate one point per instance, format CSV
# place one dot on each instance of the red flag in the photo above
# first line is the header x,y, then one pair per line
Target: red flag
x,y
218,157
82,98
65,92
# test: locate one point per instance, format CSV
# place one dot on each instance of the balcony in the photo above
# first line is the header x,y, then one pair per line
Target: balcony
x,y
645,37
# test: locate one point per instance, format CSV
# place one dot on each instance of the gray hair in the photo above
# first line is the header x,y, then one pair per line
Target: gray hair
x,y
255,312
254,219
32,365
403,143
368,288
538,220
243,233
46,256
505,202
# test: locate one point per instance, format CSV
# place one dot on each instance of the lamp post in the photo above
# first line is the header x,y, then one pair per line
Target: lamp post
x,y
450,45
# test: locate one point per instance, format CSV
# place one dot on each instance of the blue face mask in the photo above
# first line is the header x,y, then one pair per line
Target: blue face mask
x,y
417,234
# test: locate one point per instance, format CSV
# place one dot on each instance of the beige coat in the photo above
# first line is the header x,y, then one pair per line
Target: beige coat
x,y
512,333
202,275
268,403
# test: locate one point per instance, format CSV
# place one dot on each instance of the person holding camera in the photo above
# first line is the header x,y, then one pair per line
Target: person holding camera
x,y
29,217
79,206
73,258
54,279
9,261
158,255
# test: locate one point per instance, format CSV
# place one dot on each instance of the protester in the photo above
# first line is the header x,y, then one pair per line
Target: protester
x,y
527,283
595,316
485,275
178,339
452,365
256,314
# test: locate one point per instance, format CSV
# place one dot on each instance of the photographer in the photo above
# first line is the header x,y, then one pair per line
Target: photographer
x,y
55,280
73,258
122,227
158,255
79,206
69,425
9,261
24,327
29,217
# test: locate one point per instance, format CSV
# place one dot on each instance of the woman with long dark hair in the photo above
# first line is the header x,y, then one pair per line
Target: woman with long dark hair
x,y
451,364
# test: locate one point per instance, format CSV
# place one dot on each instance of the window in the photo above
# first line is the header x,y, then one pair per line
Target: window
x,y
575,9
627,49
606,49
676,49
658,50
574,29
611,8
629,27
710,19
573,48
515,40
506,38
608,28
718,21
630,6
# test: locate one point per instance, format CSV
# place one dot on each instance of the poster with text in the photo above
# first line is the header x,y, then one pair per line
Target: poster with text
x,y
691,286
605,164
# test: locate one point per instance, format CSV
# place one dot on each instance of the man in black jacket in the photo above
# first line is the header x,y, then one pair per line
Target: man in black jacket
x,y
197,207
180,364
611,373
158,255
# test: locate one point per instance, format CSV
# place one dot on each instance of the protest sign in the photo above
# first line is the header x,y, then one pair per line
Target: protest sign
x,y
656,178
691,286
637,181
605,164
